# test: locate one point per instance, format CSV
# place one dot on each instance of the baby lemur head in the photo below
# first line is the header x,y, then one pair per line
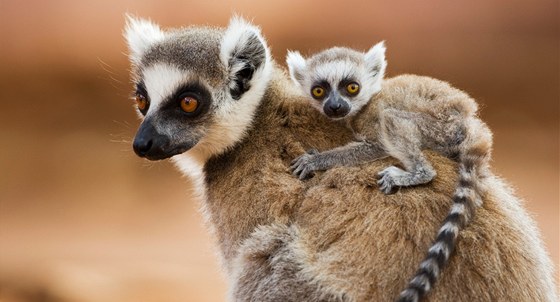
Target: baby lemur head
x,y
196,88
339,80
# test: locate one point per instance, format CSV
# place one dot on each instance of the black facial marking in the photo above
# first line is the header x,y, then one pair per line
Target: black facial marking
x,y
170,130
172,105
141,88
335,106
142,92
323,84
345,82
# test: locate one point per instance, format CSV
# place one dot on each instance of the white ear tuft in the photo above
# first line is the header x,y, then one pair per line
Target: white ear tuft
x,y
140,34
375,59
296,65
245,54
238,34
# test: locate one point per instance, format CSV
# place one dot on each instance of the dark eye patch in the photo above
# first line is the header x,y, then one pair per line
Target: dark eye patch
x,y
141,89
141,94
324,84
344,82
172,105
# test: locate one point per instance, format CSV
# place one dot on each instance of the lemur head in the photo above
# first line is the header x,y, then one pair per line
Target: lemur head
x,y
339,80
196,87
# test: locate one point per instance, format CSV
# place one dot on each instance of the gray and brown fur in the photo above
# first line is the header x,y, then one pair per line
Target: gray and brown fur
x,y
427,115
335,237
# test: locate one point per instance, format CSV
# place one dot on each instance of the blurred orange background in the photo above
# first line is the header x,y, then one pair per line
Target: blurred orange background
x,y
83,219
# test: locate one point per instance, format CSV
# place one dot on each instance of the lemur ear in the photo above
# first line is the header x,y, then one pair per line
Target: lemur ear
x,y
140,34
375,59
296,65
245,54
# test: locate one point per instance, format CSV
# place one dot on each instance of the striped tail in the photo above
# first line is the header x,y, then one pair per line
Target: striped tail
x,y
464,202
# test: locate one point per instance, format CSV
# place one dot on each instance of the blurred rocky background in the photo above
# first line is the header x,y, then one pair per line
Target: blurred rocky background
x,y
83,219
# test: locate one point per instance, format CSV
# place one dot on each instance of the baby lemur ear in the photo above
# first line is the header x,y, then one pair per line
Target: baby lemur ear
x,y
296,65
245,54
140,34
375,59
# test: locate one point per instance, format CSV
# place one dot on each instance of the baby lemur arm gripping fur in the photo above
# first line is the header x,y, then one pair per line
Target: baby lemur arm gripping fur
x,y
351,154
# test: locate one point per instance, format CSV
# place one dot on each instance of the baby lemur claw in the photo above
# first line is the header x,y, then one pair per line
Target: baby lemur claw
x,y
385,186
386,180
303,166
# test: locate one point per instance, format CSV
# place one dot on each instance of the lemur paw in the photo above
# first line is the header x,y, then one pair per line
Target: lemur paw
x,y
387,179
304,166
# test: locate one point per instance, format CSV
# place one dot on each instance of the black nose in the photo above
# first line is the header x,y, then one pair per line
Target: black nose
x,y
335,106
150,144
142,146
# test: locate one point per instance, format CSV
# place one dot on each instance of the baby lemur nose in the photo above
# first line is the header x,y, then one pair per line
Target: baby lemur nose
x,y
335,106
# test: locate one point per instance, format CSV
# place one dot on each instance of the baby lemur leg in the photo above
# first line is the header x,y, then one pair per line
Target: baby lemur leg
x,y
402,135
348,155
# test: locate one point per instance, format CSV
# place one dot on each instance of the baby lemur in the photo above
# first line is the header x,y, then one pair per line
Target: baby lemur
x,y
345,84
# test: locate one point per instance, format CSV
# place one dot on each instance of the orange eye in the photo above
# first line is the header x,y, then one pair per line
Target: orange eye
x,y
189,104
318,92
141,102
353,88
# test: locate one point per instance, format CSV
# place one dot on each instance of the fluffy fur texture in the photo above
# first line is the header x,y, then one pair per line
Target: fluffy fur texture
x,y
429,115
334,237
140,34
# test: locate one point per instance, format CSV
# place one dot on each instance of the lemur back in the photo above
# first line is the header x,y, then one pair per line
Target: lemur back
x,y
346,84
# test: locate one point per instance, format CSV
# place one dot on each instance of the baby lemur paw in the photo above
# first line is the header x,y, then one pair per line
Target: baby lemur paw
x,y
304,166
388,179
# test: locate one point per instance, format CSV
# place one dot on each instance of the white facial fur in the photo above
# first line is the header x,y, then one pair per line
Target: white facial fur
x,y
230,118
161,81
335,65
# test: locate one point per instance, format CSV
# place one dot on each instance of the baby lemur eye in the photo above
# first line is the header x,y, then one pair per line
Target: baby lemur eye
x,y
142,103
318,92
353,88
189,104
